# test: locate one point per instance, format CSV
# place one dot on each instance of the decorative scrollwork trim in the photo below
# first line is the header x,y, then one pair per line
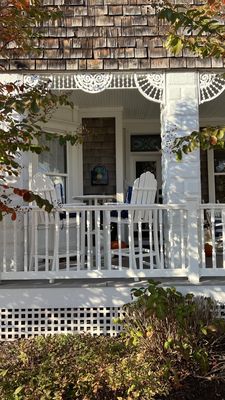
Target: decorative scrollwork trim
x,y
211,85
93,83
150,85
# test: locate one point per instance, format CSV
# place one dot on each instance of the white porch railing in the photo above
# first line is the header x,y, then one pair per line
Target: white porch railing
x,y
212,235
76,242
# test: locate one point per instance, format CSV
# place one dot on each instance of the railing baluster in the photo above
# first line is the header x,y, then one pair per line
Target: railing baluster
x,y
182,239
89,239
46,230
98,239
107,241
213,239
35,215
202,241
161,246
223,235
171,239
68,234
25,236
140,244
4,245
119,237
15,225
151,239
78,239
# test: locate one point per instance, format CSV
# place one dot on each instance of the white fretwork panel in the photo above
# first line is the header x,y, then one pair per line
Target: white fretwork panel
x,y
150,85
211,85
25,323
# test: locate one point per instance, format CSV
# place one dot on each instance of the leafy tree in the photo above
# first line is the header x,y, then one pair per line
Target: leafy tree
x,y
24,107
19,20
201,30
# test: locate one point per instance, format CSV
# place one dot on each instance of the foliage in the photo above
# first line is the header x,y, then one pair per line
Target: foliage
x,y
24,111
206,138
76,367
24,107
199,29
173,330
18,20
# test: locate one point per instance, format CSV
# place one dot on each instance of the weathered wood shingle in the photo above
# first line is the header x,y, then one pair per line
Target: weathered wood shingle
x,y
106,35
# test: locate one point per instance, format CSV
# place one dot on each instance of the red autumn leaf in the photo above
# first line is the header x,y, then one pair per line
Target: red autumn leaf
x,y
13,216
18,191
9,88
27,196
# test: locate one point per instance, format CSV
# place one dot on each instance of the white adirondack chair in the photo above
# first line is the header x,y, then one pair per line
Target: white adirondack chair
x,y
54,236
143,193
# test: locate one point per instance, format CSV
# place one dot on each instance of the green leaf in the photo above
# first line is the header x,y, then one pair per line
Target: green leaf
x,y
18,390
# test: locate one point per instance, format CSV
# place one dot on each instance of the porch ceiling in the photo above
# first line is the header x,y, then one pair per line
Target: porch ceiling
x,y
135,106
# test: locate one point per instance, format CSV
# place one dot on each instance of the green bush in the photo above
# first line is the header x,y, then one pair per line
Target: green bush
x,y
173,330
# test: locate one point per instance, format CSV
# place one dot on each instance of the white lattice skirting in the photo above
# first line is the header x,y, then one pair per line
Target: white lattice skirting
x,y
26,323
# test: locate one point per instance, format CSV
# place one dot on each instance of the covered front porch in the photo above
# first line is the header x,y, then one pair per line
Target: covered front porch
x,y
130,131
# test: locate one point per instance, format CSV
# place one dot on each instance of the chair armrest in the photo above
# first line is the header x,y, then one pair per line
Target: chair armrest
x,y
113,203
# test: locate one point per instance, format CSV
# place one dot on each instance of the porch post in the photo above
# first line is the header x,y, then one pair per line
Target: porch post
x,y
179,117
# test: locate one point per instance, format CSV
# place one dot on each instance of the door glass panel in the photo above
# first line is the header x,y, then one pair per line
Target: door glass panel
x,y
220,188
219,161
144,166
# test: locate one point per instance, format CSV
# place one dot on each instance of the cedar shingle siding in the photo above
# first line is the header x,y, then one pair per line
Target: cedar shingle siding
x,y
106,35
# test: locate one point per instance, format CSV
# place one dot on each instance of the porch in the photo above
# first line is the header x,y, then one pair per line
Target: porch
x,y
179,242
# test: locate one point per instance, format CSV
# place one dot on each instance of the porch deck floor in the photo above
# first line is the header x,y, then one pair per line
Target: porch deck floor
x,y
113,282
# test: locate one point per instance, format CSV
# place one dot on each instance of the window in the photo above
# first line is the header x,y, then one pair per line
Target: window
x,y
145,143
54,164
216,168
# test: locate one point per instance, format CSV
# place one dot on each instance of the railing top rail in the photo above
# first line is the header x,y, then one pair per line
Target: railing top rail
x,y
111,207
213,206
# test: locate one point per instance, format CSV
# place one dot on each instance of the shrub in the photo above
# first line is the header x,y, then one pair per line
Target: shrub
x,y
77,367
172,330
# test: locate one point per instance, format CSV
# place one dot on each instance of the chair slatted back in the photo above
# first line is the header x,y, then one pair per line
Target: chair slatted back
x,y
44,187
143,193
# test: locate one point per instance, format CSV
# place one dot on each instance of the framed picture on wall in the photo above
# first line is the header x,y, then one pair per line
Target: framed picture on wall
x,y
146,142
99,175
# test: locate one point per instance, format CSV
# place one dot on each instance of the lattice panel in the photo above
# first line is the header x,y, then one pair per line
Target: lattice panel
x,y
25,323
221,311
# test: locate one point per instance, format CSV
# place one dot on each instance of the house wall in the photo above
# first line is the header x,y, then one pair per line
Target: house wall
x,y
105,35
99,149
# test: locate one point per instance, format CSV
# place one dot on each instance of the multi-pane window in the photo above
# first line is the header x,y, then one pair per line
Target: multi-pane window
x,y
54,164
219,173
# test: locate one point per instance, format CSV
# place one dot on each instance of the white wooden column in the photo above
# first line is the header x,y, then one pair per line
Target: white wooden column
x,y
181,180
179,117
